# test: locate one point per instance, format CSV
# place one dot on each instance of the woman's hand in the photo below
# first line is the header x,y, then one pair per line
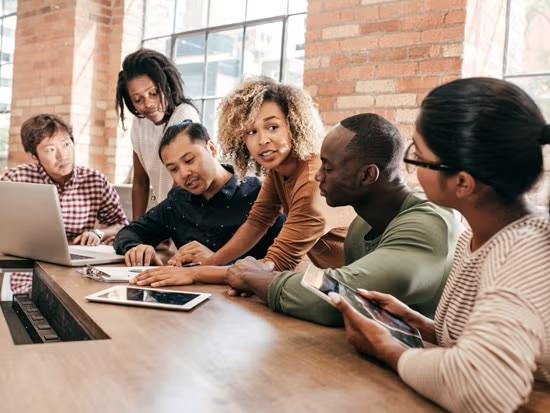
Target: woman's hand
x,y
191,253
164,276
367,336
404,312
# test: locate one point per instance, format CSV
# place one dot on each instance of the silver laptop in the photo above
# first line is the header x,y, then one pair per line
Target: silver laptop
x,y
31,226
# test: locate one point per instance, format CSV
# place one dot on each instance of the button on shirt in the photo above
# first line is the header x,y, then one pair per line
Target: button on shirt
x,y
85,199
185,217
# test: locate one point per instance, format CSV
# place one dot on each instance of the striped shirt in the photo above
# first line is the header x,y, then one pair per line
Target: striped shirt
x,y
85,199
492,323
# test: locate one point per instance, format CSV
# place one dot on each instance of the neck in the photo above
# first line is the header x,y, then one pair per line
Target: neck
x,y
222,177
288,167
488,219
381,207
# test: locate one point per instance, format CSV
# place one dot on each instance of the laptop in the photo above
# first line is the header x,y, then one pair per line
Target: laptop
x,y
31,226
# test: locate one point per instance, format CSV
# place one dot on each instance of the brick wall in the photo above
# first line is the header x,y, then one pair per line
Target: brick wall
x,y
381,56
67,57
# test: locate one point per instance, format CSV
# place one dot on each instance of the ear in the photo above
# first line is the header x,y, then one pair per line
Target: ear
x,y
464,185
212,148
368,174
35,158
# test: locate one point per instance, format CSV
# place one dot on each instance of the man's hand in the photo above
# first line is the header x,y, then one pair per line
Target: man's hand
x,y
164,276
87,238
239,273
367,336
142,254
191,253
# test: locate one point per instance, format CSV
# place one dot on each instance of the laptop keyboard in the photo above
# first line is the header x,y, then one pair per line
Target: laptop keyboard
x,y
79,257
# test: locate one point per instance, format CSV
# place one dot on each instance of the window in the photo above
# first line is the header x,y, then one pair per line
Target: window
x,y
527,57
8,17
216,44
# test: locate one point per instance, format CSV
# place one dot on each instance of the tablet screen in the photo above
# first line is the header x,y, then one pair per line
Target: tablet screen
x,y
149,296
398,328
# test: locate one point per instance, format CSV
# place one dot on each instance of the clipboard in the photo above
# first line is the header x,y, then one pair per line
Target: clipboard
x,y
112,274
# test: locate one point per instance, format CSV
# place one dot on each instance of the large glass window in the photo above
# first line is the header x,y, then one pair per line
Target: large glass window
x,y
217,43
8,18
527,55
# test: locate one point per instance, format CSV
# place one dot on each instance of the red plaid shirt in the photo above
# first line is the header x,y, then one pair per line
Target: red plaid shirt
x,y
20,282
85,199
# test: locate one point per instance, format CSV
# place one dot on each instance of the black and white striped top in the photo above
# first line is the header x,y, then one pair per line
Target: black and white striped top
x,y
492,323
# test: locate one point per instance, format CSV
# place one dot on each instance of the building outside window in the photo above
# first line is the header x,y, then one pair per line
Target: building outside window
x,y
217,43
527,54
8,9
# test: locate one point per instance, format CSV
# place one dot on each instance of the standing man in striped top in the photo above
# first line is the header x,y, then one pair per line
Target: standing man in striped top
x,y
477,147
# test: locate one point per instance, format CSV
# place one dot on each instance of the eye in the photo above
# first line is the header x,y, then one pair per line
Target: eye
x,y
272,128
189,161
251,132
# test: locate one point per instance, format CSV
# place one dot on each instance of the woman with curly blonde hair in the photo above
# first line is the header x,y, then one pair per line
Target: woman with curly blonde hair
x,y
275,129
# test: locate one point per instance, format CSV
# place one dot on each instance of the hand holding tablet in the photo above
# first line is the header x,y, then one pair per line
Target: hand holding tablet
x,y
322,284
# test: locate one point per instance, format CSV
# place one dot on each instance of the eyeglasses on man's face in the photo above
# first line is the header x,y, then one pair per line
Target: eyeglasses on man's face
x,y
412,162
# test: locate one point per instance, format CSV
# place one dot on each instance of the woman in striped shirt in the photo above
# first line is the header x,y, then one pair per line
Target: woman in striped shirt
x,y
478,149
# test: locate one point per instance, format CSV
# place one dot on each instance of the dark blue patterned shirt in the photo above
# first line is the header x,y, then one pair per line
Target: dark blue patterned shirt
x,y
185,217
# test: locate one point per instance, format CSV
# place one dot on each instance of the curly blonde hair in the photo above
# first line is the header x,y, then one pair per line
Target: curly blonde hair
x,y
238,110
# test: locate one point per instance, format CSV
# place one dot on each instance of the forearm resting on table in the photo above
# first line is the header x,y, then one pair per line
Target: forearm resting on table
x,y
246,237
211,274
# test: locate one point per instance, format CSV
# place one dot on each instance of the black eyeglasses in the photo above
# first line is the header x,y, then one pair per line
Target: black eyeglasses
x,y
411,163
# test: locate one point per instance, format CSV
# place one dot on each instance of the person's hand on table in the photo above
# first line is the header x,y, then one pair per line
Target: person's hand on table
x,y
367,336
239,272
89,238
142,254
191,253
164,276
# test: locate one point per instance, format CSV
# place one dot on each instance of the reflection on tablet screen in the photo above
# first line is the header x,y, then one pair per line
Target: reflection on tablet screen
x,y
150,296
397,327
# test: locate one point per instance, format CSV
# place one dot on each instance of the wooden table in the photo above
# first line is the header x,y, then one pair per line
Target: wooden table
x,y
229,354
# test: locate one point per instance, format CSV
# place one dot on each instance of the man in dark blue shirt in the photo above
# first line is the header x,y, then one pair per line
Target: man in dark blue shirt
x,y
207,204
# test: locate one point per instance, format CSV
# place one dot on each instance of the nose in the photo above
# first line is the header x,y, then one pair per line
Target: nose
x,y
263,138
319,175
149,103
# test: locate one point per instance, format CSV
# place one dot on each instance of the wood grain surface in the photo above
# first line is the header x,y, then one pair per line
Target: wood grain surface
x,y
228,354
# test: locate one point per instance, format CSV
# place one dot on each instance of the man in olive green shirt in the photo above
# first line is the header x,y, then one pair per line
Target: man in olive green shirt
x,y
399,244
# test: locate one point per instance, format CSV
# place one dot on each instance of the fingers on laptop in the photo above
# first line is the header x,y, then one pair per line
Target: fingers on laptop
x,y
87,238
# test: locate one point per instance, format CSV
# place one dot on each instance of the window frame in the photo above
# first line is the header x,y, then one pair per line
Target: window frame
x,y
201,101
526,75
4,151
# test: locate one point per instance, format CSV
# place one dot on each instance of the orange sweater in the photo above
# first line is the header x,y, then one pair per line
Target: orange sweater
x,y
305,230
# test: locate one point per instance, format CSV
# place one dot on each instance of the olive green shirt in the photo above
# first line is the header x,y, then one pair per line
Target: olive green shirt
x,y
410,260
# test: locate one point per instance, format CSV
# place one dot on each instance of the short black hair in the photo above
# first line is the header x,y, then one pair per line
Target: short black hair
x,y
162,72
195,131
376,141
489,128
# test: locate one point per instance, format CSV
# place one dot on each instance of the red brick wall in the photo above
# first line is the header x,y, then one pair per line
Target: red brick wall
x,y
67,57
381,56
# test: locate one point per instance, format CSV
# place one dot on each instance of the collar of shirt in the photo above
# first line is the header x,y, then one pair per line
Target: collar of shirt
x,y
60,188
227,191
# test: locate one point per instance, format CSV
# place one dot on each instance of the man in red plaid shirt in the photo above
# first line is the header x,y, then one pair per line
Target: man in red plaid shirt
x,y
89,204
